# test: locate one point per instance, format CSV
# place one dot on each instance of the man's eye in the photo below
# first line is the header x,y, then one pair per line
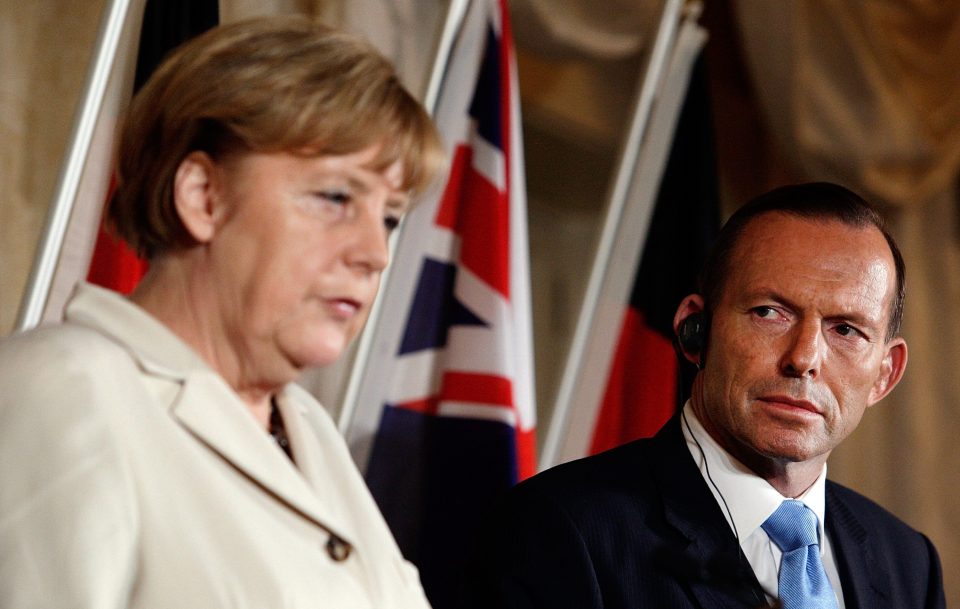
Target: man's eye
x,y
391,223
846,330
764,312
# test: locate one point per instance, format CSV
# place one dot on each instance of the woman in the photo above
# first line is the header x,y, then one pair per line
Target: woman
x,y
153,451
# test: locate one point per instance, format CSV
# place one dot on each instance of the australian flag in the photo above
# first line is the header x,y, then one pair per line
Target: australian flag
x,y
444,417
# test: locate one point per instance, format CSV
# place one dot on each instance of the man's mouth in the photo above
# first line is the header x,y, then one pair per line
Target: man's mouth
x,y
791,403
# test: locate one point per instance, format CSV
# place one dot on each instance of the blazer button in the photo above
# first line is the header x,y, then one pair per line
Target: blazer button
x,y
338,549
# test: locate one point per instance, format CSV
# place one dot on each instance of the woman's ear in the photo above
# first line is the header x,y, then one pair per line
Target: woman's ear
x,y
195,192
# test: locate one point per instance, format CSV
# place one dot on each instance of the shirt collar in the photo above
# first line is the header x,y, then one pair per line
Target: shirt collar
x,y
749,499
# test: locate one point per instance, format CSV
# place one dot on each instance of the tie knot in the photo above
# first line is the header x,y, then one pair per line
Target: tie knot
x,y
793,525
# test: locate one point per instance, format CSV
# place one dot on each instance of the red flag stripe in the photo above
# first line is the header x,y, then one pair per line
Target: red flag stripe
x,y
477,389
641,388
473,208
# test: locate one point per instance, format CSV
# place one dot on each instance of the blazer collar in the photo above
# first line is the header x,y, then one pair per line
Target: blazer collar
x,y
863,586
152,344
207,406
719,574
209,409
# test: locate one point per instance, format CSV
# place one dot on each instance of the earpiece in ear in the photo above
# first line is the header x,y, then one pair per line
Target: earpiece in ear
x,y
692,334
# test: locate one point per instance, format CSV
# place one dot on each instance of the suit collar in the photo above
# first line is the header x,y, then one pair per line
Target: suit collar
x,y
710,555
750,499
862,585
709,546
208,408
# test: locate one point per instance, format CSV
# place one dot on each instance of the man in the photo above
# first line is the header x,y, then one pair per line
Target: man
x,y
795,334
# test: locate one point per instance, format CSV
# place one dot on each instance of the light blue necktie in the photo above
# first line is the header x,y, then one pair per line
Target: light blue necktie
x,y
803,582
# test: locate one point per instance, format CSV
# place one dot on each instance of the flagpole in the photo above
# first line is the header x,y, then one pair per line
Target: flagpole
x,y
451,27
648,91
39,285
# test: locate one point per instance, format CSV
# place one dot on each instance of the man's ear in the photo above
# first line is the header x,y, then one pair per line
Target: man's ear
x,y
195,193
690,306
891,370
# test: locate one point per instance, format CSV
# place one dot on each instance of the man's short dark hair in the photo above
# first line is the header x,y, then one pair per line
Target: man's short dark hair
x,y
815,201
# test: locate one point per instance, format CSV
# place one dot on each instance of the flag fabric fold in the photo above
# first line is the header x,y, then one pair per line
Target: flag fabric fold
x,y
449,382
645,385
622,379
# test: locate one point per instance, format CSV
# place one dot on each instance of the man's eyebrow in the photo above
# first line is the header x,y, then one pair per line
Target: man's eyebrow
x,y
852,316
859,320
770,294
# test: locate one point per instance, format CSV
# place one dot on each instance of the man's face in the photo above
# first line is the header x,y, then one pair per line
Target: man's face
x,y
797,346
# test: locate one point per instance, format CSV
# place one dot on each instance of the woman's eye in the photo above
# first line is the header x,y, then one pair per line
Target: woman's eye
x,y
391,222
335,196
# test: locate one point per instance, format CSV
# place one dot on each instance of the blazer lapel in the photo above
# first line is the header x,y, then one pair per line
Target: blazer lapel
x,y
204,404
310,458
862,586
210,410
710,559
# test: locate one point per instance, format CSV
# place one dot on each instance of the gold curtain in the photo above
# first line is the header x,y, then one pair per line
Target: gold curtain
x,y
45,46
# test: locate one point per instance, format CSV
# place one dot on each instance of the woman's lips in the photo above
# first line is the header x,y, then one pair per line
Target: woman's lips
x,y
344,308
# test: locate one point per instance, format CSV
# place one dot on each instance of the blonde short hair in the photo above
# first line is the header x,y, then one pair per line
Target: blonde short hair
x,y
264,85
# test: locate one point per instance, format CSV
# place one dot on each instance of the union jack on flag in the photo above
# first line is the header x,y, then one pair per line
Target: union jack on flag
x,y
445,409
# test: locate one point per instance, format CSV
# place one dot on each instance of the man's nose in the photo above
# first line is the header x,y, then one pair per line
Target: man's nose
x,y
802,355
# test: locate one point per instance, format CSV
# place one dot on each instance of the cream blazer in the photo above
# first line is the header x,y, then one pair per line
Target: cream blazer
x,y
131,475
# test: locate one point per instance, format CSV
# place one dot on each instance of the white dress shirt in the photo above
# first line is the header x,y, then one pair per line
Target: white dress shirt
x,y
747,500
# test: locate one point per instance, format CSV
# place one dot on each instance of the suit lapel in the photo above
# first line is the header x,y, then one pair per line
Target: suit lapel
x,y
862,586
210,410
710,559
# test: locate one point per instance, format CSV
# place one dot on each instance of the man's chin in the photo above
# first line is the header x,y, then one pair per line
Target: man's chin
x,y
791,450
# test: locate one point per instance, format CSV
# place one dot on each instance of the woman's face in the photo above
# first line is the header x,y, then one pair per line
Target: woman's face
x,y
298,254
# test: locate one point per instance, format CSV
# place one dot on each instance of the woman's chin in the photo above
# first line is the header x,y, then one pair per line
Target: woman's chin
x,y
315,351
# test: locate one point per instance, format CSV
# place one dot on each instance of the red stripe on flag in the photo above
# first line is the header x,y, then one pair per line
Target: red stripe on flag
x,y
641,390
428,406
526,453
474,209
477,389
114,264
447,210
484,224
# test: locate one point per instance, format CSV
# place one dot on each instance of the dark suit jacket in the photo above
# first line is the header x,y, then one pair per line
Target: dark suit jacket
x,y
638,527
